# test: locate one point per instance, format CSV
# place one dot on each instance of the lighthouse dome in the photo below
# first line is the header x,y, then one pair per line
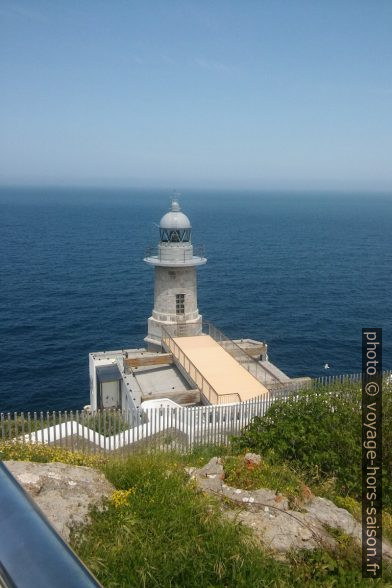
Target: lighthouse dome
x,y
175,226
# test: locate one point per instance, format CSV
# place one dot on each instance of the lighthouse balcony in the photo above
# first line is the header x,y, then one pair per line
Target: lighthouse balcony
x,y
175,254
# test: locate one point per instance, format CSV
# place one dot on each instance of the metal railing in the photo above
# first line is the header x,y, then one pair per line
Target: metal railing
x,y
31,551
342,379
258,371
247,361
193,373
323,381
160,253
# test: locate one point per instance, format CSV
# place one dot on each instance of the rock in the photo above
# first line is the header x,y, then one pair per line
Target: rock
x,y
190,471
262,497
327,513
278,527
213,468
283,531
63,492
209,478
252,459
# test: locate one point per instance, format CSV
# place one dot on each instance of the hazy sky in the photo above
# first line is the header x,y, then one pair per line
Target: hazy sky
x,y
252,94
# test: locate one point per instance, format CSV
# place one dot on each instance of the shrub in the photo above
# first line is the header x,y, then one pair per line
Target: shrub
x,y
319,433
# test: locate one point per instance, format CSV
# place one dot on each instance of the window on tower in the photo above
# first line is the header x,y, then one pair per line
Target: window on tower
x,y
180,303
175,235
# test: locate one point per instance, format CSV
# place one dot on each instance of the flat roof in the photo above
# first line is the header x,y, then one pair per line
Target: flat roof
x,y
219,368
161,379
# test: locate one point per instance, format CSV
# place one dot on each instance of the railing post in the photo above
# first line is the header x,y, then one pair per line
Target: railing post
x,y
60,428
22,423
65,427
71,416
41,415
29,425
54,427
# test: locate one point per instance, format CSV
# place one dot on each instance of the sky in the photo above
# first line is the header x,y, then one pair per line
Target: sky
x,y
207,93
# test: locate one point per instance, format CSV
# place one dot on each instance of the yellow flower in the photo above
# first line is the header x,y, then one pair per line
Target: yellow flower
x,y
47,453
119,498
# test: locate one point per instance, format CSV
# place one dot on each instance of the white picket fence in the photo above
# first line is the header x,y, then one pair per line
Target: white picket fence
x,y
163,428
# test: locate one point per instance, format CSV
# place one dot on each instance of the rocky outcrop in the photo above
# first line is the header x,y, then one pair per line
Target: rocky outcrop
x,y
273,521
252,459
63,492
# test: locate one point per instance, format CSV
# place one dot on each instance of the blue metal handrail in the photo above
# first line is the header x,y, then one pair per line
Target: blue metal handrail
x,y
31,551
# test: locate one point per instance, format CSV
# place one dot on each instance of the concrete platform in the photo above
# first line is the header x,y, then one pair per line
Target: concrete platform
x,y
225,375
159,381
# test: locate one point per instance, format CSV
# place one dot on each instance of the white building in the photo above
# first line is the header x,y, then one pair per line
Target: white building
x,y
186,361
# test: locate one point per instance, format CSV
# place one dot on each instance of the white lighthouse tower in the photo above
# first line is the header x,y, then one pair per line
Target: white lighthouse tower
x,y
175,292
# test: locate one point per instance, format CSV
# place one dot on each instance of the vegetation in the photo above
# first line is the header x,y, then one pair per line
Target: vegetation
x,y
319,435
9,450
324,568
158,530
278,477
106,422
164,533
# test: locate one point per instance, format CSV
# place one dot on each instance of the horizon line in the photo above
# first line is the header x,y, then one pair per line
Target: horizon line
x,y
203,188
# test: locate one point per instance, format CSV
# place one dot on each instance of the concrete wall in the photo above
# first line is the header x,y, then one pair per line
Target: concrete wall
x,y
168,283
127,402
155,331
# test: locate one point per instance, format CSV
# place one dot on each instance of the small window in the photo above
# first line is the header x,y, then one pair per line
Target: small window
x,y
180,303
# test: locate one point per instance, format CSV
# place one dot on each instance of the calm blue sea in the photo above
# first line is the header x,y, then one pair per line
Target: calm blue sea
x,y
305,272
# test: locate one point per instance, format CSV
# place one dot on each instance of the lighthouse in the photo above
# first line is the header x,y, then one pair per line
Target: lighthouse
x,y
175,285
199,364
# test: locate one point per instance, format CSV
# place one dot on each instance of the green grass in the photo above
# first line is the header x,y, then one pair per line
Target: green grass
x,y
277,477
166,533
107,422
159,530
9,450
201,454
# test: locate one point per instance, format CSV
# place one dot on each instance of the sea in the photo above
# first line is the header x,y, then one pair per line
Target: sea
x,y
304,272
